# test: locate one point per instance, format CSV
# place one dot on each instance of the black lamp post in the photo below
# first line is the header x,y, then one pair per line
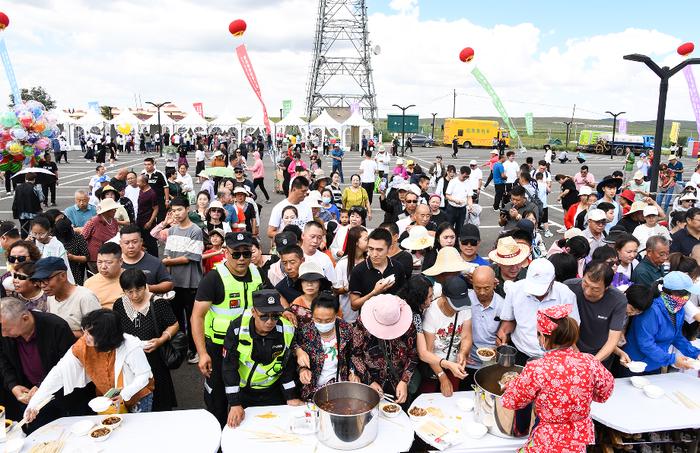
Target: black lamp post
x,y
664,74
403,125
432,133
614,115
160,129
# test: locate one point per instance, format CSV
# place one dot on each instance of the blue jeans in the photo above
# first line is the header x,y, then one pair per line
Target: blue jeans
x,y
339,168
663,198
145,404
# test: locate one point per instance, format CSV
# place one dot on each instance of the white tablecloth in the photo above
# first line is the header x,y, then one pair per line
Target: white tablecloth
x,y
487,444
630,411
175,431
394,434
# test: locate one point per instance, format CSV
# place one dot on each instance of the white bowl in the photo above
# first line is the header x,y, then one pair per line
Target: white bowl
x,y
103,438
82,427
486,358
653,391
14,445
639,381
417,418
389,414
637,367
100,404
114,425
476,430
465,404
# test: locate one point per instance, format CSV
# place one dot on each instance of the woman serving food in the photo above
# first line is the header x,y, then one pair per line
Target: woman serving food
x,y
562,385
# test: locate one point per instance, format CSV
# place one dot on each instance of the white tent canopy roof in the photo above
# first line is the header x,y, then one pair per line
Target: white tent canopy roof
x,y
293,118
227,119
357,120
62,117
91,119
255,121
325,120
153,120
125,117
192,118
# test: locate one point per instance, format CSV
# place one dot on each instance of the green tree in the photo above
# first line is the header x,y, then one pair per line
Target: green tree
x,y
106,111
36,94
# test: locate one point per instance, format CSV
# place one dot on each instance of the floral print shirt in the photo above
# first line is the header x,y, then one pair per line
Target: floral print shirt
x,y
562,385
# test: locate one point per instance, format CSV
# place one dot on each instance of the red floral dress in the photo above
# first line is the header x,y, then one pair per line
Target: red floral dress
x,y
562,384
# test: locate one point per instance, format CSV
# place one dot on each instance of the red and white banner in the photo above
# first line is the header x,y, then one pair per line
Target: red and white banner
x,y
199,108
247,66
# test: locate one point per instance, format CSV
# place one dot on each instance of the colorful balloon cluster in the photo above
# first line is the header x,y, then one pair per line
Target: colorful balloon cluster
x,y
26,133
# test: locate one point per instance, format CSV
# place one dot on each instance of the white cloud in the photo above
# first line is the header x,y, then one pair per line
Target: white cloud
x,y
180,50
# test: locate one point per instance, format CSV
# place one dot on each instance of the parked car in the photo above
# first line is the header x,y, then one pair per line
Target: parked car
x,y
422,140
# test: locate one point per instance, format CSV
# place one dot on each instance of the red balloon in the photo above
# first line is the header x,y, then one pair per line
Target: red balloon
x,y
237,27
686,49
4,21
466,55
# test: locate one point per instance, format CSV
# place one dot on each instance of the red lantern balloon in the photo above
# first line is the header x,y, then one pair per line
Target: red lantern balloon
x,y
686,49
4,21
237,27
466,54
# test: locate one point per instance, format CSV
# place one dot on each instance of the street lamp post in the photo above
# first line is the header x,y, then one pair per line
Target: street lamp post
x,y
432,133
614,115
158,106
403,125
664,74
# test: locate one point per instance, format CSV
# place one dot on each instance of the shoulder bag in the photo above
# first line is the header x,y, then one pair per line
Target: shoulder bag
x,y
173,351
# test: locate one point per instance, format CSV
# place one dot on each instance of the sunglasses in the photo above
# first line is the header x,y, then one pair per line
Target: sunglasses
x,y
20,276
270,316
16,259
238,255
411,201
45,281
472,242
238,172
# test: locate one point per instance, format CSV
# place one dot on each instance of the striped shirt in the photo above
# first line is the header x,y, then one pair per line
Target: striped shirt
x,y
187,242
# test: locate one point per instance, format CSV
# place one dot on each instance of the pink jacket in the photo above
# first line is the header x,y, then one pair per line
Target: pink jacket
x,y
292,168
258,167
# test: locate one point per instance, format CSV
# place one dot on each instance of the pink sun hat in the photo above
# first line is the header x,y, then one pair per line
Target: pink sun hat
x,y
386,316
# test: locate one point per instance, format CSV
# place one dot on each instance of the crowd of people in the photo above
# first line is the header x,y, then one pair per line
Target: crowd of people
x,y
145,272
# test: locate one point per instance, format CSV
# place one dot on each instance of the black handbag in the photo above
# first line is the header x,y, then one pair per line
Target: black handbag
x,y
173,351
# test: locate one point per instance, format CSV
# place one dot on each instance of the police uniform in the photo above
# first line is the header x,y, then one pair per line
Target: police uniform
x,y
259,370
231,296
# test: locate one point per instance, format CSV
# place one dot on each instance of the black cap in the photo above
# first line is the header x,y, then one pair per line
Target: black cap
x,y
47,266
234,240
7,226
267,301
285,239
527,226
455,289
237,168
615,233
470,231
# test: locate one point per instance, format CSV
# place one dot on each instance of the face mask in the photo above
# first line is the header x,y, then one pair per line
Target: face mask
x,y
324,327
326,200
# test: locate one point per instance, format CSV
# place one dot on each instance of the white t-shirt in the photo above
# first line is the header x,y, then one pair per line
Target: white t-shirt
x,y
72,309
436,323
460,190
199,155
132,193
474,178
330,360
325,262
342,280
643,232
56,248
303,213
511,171
383,160
367,169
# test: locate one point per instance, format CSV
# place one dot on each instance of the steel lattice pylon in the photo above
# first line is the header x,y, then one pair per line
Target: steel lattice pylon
x,y
341,70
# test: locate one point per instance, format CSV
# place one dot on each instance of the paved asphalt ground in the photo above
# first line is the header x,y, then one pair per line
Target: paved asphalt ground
x,y
188,382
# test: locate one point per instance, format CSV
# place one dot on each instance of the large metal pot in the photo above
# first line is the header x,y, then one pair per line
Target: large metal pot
x,y
347,432
489,410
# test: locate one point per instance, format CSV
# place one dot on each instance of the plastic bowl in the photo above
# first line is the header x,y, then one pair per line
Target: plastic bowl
x,y
484,356
653,391
465,404
389,414
476,430
82,427
639,381
100,404
417,418
637,367
114,425
101,438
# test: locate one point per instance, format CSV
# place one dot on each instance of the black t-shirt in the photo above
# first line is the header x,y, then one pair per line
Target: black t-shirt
x,y
572,196
211,288
43,177
364,277
118,184
628,224
405,259
288,289
152,267
158,183
683,242
597,319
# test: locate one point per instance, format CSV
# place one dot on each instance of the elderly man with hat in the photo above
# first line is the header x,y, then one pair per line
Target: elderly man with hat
x,y
595,231
385,355
100,229
222,296
524,298
639,186
469,241
608,187
257,367
509,259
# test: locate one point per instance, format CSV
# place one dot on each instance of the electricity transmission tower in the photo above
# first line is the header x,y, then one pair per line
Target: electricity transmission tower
x,y
341,70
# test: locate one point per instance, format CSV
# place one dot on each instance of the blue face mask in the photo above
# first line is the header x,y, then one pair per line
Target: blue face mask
x,y
324,327
326,200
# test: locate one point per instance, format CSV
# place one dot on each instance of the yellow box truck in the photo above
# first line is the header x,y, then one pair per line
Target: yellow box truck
x,y
471,133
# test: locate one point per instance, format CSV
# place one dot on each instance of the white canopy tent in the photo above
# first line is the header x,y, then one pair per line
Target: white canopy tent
x,y
68,124
90,120
293,119
363,126
325,122
192,120
254,123
227,122
125,117
165,120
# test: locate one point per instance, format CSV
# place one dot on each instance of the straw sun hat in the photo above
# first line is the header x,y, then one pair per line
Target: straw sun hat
x,y
509,252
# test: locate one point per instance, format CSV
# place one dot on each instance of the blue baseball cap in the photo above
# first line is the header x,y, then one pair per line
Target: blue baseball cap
x,y
102,179
680,281
45,267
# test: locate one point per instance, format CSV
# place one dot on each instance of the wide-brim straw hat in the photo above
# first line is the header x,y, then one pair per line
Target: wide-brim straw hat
x,y
448,260
509,252
107,204
637,206
418,239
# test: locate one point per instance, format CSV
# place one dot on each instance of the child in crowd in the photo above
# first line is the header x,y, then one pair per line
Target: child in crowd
x,y
215,252
650,228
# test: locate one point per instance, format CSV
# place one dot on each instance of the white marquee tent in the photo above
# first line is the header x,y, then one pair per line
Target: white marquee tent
x,y
192,119
254,123
227,121
126,117
363,126
325,122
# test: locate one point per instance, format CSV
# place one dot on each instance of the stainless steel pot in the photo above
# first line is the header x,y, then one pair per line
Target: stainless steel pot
x,y
347,432
505,355
489,410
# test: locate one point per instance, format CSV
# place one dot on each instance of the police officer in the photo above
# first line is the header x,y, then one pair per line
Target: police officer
x,y
258,367
223,295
